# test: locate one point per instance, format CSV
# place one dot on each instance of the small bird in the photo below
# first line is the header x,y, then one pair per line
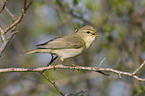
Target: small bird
x,y
70,45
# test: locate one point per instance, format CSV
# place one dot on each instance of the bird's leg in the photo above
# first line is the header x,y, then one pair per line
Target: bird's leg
x,y
67,62
52,60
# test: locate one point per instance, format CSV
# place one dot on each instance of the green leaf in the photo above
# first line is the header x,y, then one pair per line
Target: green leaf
x,y
75,2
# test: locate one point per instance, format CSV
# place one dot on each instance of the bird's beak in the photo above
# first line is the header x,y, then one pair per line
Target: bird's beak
x,y
96,35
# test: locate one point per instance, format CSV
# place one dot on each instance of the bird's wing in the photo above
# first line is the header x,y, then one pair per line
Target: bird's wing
x,y
65,42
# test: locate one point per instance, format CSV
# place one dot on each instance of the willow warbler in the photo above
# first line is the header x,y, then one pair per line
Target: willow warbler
x,y
70,45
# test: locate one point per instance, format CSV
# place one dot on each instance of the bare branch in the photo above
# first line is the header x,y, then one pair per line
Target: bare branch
x,y
25,2
28,5
3,46
3,38
52,82
101,62
20,16
10,14
41,69
16,22
3,7
6,41
12,34
137,70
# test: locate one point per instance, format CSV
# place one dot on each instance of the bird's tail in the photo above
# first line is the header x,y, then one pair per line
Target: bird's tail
x,y
33,51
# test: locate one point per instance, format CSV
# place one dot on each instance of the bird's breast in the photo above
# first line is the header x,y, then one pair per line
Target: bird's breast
x,y
67,53
89,41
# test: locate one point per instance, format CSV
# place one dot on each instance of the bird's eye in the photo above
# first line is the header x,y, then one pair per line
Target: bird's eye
x,y
88,32
93,34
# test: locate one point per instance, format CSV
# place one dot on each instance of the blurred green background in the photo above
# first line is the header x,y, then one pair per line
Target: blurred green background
x,y
120,23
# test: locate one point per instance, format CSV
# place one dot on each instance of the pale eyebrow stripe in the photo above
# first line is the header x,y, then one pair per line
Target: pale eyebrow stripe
x,y
90,31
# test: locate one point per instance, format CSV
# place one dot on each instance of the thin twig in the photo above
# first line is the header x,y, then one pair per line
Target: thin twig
x,y
137,70
3,46
9,12
28,5
16,22
5,43
25,2
3,38
52,82
12,34
41,69
119,75
3,7
20,17
101,62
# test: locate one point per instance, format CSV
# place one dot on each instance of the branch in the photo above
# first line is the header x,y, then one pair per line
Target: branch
x,y
16,22
9,12
3,7
52,82
5,40
138,69
41,69
20,16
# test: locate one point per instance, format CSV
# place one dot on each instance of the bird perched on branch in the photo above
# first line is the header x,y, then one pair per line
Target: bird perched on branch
x,y
68,46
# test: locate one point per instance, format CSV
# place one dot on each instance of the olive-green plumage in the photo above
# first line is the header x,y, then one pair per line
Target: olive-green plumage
x,y
70,45
65,42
